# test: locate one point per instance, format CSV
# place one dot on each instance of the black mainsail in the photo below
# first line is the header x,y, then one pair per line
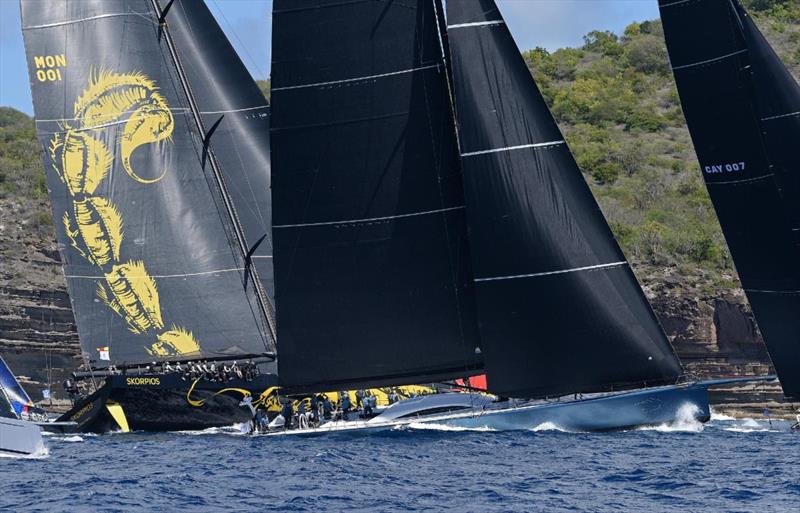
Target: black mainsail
x,y
559,308
743,111
153,266
371,257
229,98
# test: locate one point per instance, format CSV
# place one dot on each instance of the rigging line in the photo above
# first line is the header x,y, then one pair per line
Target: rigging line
x,y
550,273
264,305
368,220
239,40
357,79
709,61
511,148
90,18
174,110
477,24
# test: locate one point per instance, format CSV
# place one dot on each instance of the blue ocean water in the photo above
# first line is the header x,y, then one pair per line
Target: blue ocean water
x,y
724,466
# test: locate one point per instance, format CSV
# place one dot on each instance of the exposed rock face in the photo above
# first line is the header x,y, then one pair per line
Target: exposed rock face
x,y
38,337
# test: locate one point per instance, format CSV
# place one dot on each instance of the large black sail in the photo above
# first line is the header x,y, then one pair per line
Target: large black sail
x,y
146,243
228,97
734,100
371,258
559,307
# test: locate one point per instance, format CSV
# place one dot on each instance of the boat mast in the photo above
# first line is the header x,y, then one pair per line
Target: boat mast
x,y
264,304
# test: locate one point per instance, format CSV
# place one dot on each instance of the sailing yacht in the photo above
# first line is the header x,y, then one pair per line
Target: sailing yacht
x,y
412,247
19,434
156,153
743,110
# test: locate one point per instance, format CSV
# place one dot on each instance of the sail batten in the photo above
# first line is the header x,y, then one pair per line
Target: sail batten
x,y
740,113
559,308
371,254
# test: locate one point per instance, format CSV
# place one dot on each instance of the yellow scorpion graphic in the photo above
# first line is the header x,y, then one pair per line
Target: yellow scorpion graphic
x,y
94,226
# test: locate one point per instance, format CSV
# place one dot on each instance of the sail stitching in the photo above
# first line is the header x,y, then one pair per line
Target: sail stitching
x,y
550,273
90,18
791,114
234,110
355,221
715,59
203,273
369,77
477,24
175,110
773,291
676,3
744,180
510,148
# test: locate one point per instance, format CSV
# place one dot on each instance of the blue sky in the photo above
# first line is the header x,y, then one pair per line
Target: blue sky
x,y
548,23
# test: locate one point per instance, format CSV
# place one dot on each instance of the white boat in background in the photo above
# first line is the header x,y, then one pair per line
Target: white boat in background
x,y
18,437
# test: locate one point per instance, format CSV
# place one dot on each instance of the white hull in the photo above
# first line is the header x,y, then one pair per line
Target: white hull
x,y
19,437
602,412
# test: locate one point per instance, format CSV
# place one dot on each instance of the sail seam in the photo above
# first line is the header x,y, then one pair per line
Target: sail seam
x,y
744,180
511,148
234,110
185,275
371,219
550,273
90,18
781,116
477,24
773,291
346,80
676,3
175,110
715,59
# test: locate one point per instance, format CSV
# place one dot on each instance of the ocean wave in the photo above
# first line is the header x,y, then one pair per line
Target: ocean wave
x,y
685,421
432,426
549,426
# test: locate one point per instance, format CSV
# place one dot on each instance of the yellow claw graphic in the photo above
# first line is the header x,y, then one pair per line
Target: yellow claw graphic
x,y
99,226
131,292
174,342
111,96
149,124
80,160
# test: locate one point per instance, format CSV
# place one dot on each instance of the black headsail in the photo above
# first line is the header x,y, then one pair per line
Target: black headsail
x,y
559,307
742,112
231,102
371,257
152,264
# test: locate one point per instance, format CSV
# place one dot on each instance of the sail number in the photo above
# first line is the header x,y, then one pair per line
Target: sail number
x,y
725,168
48,67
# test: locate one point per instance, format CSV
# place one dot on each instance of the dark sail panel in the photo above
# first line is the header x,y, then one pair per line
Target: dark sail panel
x,y
559,308
229,98
719,85
371,256
777,96
150,266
